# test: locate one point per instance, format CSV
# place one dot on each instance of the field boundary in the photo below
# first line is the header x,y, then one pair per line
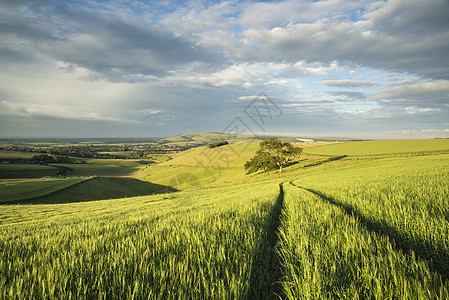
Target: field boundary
x,y
43,196
399,241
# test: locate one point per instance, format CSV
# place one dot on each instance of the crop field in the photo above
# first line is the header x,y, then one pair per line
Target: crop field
x,y
368,225
12,190
330,254
386,147
202,167
101,188
197,245
104,167
404,201
16,155
26,171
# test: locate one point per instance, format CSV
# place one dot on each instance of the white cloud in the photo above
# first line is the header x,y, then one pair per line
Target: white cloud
x,y
405,42
425,89
248,98
446,130
416,110
177,63
28,110
150,111
349,83
267,15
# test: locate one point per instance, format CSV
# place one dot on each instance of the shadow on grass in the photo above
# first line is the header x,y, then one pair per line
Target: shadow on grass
x,y
435,255
266,273
101,188
334,158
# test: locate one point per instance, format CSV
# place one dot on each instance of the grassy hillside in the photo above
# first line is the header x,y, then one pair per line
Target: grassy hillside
x,y
201,167
101,188
328,253
383,147
329,227
199,138
26,171
408,197
105,167
14,190
210,137
195,245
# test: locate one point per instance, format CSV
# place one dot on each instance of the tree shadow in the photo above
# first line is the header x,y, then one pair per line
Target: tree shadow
x,y
292,163
101,188
334,158
434,254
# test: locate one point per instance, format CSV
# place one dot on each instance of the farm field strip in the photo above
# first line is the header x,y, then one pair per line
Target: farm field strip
x,y
327,254
8,171
382,147
102,188
16,190
202,244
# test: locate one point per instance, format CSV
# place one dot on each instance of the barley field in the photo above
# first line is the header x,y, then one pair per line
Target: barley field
x,y
194,245
375,228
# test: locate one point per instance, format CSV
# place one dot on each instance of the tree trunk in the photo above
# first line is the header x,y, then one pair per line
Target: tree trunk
x,y
280,169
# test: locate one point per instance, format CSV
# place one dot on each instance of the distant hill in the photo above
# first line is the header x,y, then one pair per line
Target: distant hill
x,y
204,138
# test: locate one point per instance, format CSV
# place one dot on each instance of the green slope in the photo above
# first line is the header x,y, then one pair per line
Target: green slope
x,y
18,190
13,170
326,229
201,167
195,245
101,188
383,147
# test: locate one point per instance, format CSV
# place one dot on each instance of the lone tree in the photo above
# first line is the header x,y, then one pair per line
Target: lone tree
x,y
272,153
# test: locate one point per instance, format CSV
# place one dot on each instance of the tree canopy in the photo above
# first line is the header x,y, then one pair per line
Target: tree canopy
x,y
271,154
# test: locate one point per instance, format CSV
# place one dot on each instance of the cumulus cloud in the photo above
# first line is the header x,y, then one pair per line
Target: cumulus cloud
x,y
110,44
194,64
439,88
348,94
268,15
348,83
26,110
414,39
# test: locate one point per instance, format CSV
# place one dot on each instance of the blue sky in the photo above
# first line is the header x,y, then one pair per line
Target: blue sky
x,y
366,69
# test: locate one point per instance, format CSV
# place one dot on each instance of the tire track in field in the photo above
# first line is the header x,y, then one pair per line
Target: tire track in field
x,y
438,259
266,275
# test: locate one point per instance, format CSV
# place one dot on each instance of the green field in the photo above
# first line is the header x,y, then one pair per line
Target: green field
x,y
101,188
105,167
12,190
382,147
328,253
345,221
26,171
204,244
16,155
157,158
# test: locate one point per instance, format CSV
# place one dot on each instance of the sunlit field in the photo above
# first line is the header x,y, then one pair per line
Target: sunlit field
x,y
328,227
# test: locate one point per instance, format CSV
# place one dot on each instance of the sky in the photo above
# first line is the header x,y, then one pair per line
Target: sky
x,y
131,68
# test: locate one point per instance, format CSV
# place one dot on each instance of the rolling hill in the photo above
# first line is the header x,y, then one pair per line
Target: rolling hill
x,y
354,227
